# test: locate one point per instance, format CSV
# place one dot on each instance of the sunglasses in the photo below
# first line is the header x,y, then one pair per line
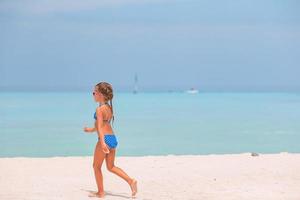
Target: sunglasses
x,y
94,93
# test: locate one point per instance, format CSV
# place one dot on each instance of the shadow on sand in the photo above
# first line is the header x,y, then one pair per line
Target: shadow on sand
x,y
108,193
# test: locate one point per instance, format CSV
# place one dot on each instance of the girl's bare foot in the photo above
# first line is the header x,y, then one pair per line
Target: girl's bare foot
x,y
133,186
97,194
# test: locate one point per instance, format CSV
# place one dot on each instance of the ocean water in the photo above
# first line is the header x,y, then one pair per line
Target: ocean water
x,y
35,124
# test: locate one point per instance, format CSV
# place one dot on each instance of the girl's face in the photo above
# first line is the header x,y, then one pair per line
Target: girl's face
x,y
97,95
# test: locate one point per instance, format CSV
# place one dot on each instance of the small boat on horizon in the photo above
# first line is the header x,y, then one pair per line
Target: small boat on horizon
x,y
192,91
135,90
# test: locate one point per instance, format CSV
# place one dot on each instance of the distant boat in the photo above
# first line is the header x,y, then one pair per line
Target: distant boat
x,y
135,90
192,91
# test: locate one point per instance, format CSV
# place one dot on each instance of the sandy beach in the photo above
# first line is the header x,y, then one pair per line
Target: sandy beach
x,y
210,177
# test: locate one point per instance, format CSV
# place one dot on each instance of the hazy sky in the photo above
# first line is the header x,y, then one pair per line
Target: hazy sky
x,y
170,44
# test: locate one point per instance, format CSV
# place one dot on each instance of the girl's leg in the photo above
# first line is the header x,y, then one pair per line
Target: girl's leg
x,y
99,156
110,159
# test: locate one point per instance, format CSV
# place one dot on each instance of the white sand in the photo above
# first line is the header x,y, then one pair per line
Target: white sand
x,y
219,177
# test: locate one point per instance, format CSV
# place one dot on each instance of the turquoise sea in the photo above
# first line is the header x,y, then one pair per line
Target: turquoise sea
x,y
36,124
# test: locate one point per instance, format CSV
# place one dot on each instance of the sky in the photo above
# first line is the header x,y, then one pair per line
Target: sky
x,y
211,45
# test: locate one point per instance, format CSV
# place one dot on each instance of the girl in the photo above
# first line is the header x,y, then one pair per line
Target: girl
x,y
107,140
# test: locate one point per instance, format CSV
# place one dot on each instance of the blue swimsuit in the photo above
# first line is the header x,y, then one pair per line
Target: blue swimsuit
x,y
110,139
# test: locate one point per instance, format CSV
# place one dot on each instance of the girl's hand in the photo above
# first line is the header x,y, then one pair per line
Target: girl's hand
x,y
104,148
87,129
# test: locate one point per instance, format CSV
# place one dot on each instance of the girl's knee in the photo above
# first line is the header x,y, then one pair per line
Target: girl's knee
x,y
96,166
110,168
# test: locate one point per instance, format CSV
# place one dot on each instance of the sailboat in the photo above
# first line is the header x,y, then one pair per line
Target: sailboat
x,y
135,89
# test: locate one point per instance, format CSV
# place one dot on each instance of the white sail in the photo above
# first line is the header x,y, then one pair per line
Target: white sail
x,y
135,89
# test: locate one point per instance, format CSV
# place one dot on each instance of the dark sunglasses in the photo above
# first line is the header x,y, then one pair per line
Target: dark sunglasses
x,y
93,93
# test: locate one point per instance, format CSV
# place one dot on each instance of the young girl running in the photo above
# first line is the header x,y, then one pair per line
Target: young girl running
x,y
107,140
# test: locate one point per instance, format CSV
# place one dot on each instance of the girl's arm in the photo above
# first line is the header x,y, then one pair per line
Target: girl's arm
x,y
99,125
99,128
87,129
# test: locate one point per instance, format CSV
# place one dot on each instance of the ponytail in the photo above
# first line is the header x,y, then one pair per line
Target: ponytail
x,y
112,112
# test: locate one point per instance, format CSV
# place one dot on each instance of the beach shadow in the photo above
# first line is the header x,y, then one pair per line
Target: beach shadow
x,y
108,193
